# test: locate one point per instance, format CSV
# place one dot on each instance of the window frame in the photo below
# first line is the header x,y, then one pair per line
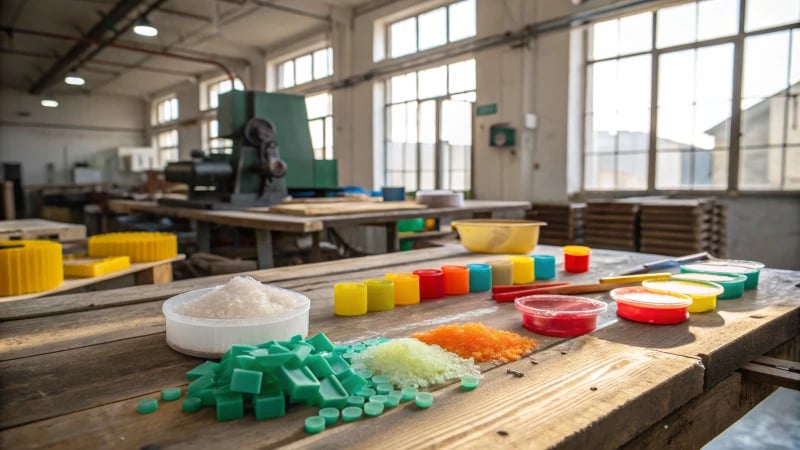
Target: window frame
x,y
279,66
161,150
206,87
327,147
416,16
156,111
733,181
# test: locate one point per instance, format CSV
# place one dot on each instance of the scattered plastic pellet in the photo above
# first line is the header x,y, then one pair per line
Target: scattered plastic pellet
x,y
384,388
331,415
364,373
314,424
366,392
423,400
477,341
393,399
356,400
408,393
351,413
378,398
469,382
381,379
170,394
373,408
191,404
147,405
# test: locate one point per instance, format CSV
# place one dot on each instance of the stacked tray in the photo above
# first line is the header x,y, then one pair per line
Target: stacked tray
x,y
565,222
613,224
682,226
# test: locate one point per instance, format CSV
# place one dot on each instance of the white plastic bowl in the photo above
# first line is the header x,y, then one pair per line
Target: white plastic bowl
x,y
210,338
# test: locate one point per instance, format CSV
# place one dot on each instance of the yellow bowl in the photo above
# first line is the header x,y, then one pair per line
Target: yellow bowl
x,y
498,235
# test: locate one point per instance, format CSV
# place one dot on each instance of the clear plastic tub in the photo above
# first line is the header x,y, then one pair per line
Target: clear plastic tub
x,y
210,338
559,315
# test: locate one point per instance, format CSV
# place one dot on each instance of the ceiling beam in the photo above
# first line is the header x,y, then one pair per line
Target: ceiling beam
x,y
292,10
62,65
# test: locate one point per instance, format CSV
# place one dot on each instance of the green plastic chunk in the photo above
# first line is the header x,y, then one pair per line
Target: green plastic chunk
x,y
204,382
259,352
340,367
319,366
246,381
277,348
423,400
364,373
266,344
379,398
372,408
207,368
366,392
300,383
352,382
351,414
170,394
207,397
229,406
355,400
272,360
191,404
299,354
147,405
269,403
469,382
408,393
339,349
245,362
348,356
296,338
357,348
384,388
315,424
321,343
331,415
331,393
381,379
393,399
240,349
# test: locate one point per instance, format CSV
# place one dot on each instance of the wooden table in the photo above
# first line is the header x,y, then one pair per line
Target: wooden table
x,y
264,223
154,272
41,229
73,367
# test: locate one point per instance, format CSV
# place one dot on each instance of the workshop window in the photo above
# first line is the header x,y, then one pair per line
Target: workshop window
x,y
213,143
663,111
166,110
429,128
320,124
432,28
306,68
167,145
212,89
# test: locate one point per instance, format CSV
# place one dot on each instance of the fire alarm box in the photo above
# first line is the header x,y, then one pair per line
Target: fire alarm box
x,y
502,135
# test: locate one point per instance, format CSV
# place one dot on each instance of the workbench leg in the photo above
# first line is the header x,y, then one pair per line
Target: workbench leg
x,y
155,275
264,249
203,236
316,252
392,238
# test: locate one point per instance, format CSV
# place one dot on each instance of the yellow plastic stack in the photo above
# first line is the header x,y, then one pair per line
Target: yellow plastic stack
x,y
140,246
86,267
30,266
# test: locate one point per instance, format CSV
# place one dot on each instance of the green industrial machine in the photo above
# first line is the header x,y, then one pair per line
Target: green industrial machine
x,y
272,155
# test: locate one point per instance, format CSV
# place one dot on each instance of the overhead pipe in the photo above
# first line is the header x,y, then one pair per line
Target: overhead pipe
x,y
117,13
132,48
289,9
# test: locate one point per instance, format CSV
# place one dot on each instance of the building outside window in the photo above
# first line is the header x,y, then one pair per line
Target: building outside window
x,y
663,108
320,124
432,29
429,128
167,145
306,68
166,110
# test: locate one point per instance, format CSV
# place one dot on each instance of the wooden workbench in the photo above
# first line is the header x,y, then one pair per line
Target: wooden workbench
x,y
264,223
41,229
73,367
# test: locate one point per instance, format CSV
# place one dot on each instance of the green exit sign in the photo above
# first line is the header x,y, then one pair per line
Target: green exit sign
x,y
486,110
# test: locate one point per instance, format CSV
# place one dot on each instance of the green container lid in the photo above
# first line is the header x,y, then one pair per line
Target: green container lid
x,y
372,408
330,414
315,424
469,382
170,394
408,393
750,269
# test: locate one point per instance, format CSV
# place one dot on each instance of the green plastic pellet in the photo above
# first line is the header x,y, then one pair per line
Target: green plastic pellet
x,y
340,367
373,408
147,405
269,403
351,414
229,406
378,398
207,368
300,383
319,366
247,361
352,382
366,392
408,393
296,338
240,349
339,349
423,400
381,379
321,343
364,373
331,393
348,356
469,382
200,384
170,394
191,404
259,352
315,424
358,365
246,381
371,342
299,354
331,415
384,388
277,348
355,400
382,340
357,348
393,399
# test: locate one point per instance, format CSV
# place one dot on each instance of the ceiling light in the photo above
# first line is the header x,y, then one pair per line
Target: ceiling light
x,y
49,103
73,79
144,28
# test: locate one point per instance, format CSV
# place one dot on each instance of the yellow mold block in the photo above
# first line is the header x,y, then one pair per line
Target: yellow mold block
x,y
140,246
82,266
30,266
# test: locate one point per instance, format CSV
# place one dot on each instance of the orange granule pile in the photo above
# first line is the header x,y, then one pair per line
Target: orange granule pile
x,y
479,342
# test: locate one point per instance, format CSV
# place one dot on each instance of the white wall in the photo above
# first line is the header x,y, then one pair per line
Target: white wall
x,y
84,128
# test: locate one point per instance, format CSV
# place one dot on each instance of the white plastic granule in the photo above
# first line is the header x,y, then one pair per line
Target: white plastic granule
x,y
240,298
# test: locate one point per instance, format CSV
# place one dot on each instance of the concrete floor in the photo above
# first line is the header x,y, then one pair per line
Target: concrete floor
x,y
773,424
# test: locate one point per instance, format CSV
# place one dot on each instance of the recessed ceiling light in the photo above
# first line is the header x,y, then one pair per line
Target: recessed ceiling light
x,y
144,28
49,103
74,79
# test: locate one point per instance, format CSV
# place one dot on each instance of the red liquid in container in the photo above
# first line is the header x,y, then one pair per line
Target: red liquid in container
x,y
640,305
431,284
559,315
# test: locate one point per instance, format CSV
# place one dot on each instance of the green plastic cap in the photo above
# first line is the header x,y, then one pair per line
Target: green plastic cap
x,y
331,415
315,424
170,394
147,405
469,382
423,400
373,408
408,393
351,413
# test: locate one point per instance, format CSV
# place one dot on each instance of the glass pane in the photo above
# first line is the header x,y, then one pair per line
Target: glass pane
x,y
793,117
605,39
634,82
761,52
462,20
213,128
632,171
394,179
717,18
411,122
676,77
759,128
760,168
329,138
286,75
599,172
302,69
410,157
427,159
714,79
403,37
672,170
634,129
213,96
410,181
456,127
318,105
433,28
692,170
712,123
676,25
635,33
321,64
675,124
462,76
397,123
433,82
794,69
598,137
762,14
317,134
403,88
603,82
465,97
394,156
427,180
792,166
427,122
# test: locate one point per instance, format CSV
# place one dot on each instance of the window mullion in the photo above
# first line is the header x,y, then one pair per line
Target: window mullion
x,y
652,155
736,103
